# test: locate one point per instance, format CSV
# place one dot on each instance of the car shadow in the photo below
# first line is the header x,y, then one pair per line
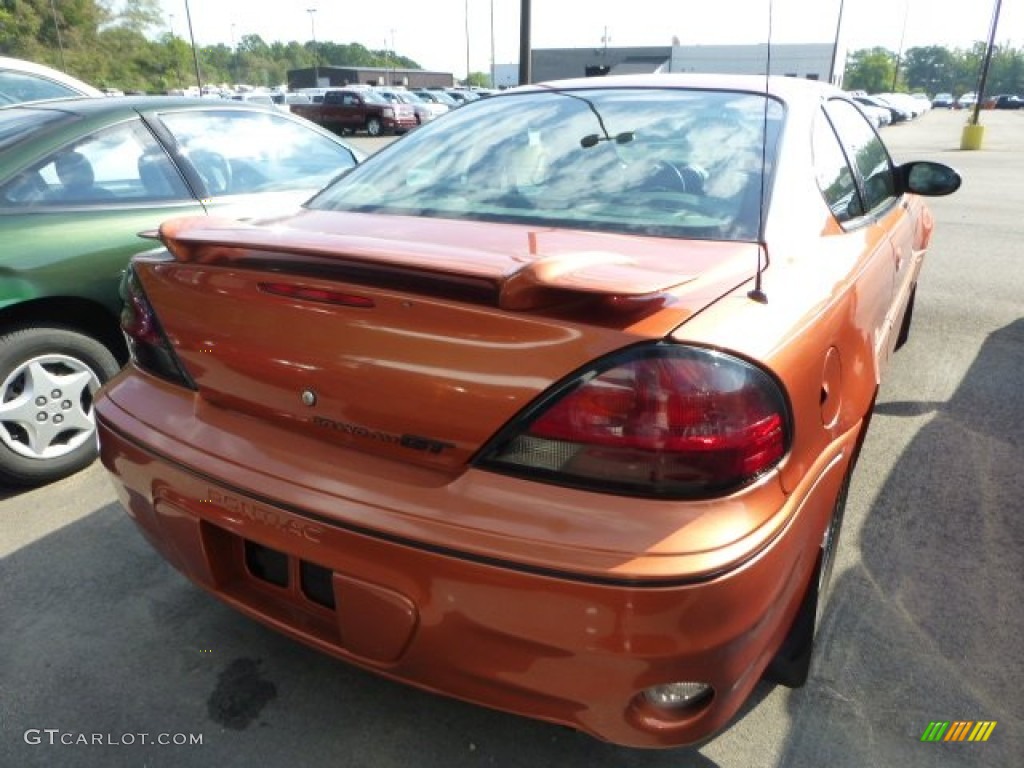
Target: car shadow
x,y
928,624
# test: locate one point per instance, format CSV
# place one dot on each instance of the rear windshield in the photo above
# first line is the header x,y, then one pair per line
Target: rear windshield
x,y
25,86
656,161
17,123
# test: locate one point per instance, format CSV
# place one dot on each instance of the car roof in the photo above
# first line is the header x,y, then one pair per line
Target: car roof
x,y
87,107
784,88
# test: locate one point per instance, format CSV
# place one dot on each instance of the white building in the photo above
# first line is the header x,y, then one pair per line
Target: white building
x,y
813,61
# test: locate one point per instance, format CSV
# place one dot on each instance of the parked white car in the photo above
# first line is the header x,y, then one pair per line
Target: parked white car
x,y
425,110
22,81
967,100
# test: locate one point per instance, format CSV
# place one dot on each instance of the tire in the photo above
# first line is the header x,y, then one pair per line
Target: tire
x,y
792,663
49,376
373,126
908,316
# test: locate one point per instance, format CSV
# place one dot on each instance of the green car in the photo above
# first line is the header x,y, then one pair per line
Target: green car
x,y
79,180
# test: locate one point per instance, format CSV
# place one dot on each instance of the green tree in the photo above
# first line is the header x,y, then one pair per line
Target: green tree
x,y
141,16
968,68
931,69
870,70
1006,72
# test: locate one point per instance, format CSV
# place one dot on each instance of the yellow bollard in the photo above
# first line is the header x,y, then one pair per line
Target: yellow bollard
x,y
972,136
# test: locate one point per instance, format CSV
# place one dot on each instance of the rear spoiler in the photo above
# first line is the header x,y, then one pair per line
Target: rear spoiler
x,y
511,283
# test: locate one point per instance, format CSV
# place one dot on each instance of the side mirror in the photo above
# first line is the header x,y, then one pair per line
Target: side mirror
x,y
924,177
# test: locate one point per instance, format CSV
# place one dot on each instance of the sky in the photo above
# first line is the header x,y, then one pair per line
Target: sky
x,y
434,32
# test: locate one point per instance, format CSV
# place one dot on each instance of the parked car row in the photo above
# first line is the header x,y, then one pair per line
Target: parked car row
x,y
970,99
887,108
1003,101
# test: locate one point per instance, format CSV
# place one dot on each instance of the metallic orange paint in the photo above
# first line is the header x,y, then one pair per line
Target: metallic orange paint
x,y
337,438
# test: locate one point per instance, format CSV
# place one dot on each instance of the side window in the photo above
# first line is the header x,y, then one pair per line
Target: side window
x,y
239,152
835,179
866,151
122,164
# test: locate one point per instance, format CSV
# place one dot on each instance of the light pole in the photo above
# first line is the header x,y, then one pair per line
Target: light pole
x,y
525,64
976,115
234,55
316,57
394,62
835,46
467,43
899,54
493,83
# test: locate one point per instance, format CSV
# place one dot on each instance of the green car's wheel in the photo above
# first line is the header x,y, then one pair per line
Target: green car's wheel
x,y
48,378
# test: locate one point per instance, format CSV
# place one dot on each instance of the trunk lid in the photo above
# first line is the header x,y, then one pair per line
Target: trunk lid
x,y
414,338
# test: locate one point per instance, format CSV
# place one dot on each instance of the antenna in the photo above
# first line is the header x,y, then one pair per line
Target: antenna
x,y
757,294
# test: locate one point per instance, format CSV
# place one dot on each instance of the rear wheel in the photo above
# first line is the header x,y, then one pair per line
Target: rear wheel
x,y
373,126
908,316
792,663
48,378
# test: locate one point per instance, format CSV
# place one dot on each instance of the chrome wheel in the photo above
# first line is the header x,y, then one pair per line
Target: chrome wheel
x,y
49,376
46,406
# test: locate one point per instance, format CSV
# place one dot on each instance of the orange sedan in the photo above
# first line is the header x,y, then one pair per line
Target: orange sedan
x,y
551,405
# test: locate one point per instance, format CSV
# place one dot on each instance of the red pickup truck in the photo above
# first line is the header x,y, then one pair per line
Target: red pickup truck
x,y
347,110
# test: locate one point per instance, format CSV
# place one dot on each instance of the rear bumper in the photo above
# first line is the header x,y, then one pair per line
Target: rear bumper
x,y
575,650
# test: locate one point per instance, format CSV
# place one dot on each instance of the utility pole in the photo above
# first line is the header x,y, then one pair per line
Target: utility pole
x,y
525,64
467,43
316,55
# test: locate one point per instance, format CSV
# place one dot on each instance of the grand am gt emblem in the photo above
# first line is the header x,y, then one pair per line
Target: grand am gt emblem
x,y
412,442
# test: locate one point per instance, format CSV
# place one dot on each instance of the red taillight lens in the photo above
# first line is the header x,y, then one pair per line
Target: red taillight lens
x,y
147,343
663,421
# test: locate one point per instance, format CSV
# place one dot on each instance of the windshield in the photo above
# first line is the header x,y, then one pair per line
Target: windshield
x,y
664,162
374,97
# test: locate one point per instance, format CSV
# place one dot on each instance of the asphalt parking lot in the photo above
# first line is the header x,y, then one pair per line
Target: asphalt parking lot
x,y
105,651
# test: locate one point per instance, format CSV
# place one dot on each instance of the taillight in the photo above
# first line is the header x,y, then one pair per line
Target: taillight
x,y
147,343
659,420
